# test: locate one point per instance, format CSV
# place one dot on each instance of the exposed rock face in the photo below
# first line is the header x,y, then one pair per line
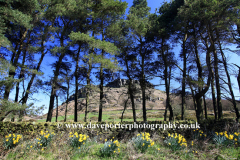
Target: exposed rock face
x,y
81,94
114,84
114,98
123,82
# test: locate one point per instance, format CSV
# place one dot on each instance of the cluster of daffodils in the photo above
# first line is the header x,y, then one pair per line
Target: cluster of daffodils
x,y
226,139
11,140
142,142
110,147
198,134
44,139
175,141
77,140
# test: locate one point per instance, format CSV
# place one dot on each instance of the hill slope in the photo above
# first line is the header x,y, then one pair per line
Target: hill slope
x,y
114,99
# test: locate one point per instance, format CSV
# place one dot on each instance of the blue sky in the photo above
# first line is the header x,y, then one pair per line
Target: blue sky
x,y
43,99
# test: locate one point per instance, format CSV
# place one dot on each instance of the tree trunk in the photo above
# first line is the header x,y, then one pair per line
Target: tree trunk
x,y
199,108
193,97
205,106
229,80
125,107
168,95
17,86
144,101
25,98
130,90
87,91
65,119
143,87
55,78
200,79
184,77
203,91
132,100
57,108
101,93
101,83
15,61
76,84
219,104
53,91
238,78
167,84
213,97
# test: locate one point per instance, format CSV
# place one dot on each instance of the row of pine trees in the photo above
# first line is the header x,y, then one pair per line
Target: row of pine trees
x,y
89,38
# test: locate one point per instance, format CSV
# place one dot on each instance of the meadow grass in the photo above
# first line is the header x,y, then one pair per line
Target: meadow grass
x,y
106,117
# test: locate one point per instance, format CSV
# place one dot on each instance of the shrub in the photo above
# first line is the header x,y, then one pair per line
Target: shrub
x,y
175,141
77,140
177,110
11,140
109,148
142,142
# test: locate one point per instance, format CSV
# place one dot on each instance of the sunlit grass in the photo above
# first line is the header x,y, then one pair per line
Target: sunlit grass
x,y
105,117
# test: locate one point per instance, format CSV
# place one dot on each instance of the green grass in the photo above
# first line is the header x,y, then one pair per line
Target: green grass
x,y
106,116
109,116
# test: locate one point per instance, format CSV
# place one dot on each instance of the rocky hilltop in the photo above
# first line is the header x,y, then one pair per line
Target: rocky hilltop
x,y
117,83
123,82
115,96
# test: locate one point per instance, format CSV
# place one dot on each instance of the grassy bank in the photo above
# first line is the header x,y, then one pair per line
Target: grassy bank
x,y
60,147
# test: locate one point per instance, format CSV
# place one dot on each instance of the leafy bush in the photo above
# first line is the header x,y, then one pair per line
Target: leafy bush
x,y
175,141
109,148
77,140
142,142
11,140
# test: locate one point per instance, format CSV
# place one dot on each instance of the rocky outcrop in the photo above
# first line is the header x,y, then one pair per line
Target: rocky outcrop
x,y
81,94
117,83
123,82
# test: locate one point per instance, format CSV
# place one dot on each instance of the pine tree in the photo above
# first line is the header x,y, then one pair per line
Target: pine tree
x,y
103,14
139,24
